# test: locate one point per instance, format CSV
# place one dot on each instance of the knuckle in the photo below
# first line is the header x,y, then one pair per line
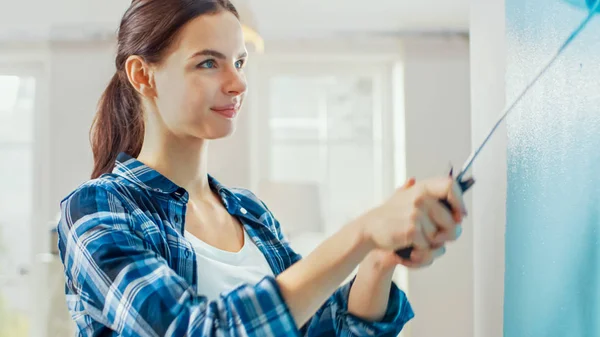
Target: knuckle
x,y
398,237
410,234
419,201
421,244
431,235
415,217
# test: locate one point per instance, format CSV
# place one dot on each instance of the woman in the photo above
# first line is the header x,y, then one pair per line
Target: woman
x,y
154,246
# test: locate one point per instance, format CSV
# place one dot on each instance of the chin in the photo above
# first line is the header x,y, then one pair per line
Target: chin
x,y
217,132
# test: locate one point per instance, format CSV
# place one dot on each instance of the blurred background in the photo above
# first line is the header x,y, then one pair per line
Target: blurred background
x,y
346,100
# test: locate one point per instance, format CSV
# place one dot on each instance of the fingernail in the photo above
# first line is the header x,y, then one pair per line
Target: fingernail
x,y
458,231
440,252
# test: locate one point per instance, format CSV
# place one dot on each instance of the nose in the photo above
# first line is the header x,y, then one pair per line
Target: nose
x,y
235,83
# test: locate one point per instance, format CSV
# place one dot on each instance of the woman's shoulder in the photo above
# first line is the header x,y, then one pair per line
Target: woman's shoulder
x,y
107,186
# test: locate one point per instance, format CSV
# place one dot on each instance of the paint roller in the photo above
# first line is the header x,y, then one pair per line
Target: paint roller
x,y
593,6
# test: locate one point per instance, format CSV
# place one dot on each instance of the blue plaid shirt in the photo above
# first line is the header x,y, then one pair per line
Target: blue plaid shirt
x,y
131,272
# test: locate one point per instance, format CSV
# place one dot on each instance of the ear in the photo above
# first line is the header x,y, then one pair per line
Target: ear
x,y
140,75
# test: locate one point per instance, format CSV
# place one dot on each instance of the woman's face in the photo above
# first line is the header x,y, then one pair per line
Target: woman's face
x,y
200,84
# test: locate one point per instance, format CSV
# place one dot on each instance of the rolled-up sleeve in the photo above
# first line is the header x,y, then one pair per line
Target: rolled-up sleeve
x,y
333,319
122,285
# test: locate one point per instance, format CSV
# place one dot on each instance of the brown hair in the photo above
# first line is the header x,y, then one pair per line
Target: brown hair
x,y
147,29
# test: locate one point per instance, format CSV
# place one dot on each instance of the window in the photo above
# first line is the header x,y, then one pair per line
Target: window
x,y
17,98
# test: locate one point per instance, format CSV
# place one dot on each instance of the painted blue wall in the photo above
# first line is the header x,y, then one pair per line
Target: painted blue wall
x,y
552,279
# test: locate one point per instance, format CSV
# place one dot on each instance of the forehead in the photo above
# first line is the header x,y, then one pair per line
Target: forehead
x,y
221,31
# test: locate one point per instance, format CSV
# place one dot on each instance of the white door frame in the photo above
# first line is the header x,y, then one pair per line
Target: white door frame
x,y
24,63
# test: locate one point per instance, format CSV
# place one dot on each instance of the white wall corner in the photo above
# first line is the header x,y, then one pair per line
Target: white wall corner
x,y
438,132
488,65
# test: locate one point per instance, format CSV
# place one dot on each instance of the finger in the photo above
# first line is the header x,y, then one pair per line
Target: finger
x,y
421,256
438,187
413,265
430,229
446,189
455,198
448,235
441,216
419,240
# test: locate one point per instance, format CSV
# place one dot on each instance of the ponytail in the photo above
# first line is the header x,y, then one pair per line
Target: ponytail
x,y
118,125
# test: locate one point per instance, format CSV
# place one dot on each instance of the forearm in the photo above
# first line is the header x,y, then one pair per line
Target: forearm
x,y
370,291
309,283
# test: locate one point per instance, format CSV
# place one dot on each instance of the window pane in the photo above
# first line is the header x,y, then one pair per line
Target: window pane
x,y
17,96
322,131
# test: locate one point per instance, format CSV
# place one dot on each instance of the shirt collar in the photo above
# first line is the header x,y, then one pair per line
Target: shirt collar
x,y
137,172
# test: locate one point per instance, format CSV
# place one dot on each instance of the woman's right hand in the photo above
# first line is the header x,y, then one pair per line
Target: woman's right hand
x,y
414,216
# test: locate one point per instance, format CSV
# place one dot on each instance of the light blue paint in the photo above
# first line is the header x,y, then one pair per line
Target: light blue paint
x,y
552,280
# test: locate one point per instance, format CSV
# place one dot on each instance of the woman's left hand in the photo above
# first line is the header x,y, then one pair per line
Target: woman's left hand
x,y
387,260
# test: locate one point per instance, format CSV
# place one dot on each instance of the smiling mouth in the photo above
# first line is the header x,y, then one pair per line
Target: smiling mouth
x,y
228,111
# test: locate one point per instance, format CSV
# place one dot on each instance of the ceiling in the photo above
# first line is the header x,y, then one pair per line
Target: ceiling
x,y
276,19
309,18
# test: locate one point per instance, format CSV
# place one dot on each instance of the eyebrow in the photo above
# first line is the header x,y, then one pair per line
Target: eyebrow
x,y
215,54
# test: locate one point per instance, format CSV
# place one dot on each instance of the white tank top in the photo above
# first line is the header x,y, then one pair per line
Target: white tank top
x,y
222,271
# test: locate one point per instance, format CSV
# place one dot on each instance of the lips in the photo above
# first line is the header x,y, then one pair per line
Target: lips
x,y
228,111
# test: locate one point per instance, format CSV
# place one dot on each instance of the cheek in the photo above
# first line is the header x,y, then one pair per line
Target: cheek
x,y
198,96
171,94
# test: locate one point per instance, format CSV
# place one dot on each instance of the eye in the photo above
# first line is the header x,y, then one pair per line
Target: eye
x,y
239,64
208,64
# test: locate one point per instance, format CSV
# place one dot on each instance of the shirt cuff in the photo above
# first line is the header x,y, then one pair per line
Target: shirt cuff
x,y
398,313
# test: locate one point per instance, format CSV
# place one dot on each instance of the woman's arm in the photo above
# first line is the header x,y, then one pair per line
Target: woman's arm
x,y
131,290
310,282
370,293
412,216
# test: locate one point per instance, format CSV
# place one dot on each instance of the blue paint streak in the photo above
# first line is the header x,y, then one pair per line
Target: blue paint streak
x,y
552,280
585,4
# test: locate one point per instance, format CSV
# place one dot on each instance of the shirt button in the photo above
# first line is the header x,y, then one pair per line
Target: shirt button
x,y
177,219
187,253
243,210
179,192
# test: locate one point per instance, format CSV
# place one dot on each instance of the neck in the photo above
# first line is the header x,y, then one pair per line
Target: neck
x,y
183,161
